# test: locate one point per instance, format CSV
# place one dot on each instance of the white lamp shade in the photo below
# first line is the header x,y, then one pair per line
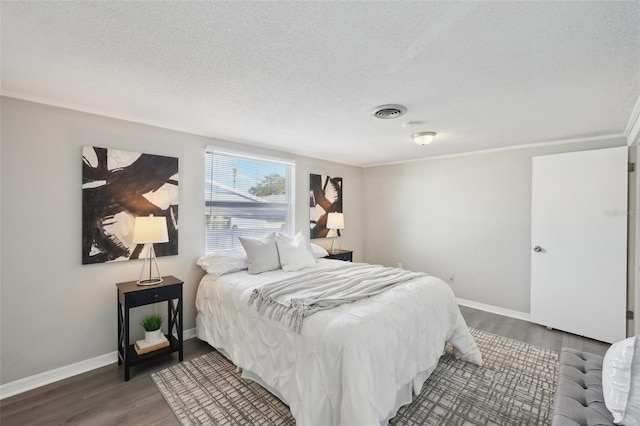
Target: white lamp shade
x,y
335,221
150,229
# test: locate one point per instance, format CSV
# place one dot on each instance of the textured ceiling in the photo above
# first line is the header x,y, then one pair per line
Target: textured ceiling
x,y
303,77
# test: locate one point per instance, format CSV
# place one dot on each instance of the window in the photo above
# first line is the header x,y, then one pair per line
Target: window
x,y
246,196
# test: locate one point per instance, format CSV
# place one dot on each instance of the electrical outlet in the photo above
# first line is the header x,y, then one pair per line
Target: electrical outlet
x,y
451,278
400,265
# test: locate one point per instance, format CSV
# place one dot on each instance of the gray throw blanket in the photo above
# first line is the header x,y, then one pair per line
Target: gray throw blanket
x,y
292,299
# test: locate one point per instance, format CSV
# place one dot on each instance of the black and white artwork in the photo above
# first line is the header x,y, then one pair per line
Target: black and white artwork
x,y
325,196
118,186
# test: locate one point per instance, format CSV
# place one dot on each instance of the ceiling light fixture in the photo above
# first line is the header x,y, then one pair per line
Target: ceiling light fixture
x,y
423,138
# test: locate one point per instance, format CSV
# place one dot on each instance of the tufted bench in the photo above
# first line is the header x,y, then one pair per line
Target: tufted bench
x,y
578,399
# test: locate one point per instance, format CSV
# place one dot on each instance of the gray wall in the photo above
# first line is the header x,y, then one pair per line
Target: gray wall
x,y
467,216
55,311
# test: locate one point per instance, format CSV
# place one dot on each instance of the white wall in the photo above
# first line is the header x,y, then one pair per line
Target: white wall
x,y
469,216
55,311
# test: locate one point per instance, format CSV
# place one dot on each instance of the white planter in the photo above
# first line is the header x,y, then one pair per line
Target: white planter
x,y
153,336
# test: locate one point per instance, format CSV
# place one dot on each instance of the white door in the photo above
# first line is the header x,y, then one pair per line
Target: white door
x,y
579,242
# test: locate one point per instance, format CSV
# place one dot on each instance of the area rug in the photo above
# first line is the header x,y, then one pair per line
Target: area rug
x,y
514,387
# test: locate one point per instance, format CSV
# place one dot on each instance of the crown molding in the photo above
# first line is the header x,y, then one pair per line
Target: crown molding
x,y
94,111
502,149
631,133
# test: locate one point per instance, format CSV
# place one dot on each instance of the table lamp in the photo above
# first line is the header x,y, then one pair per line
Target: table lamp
x,y
148,230
335,221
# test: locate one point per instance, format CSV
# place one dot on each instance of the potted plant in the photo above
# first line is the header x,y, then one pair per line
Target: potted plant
x,y
152,324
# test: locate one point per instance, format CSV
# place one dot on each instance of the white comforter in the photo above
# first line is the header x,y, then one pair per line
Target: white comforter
x,y
352,365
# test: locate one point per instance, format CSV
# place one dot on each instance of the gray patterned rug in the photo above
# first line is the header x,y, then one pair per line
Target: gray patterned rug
x,y
514,387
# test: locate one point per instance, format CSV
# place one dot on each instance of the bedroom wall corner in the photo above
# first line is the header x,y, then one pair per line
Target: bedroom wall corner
x,y
466,217
353,202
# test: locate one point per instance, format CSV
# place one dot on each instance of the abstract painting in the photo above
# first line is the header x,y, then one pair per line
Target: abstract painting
x,y
325,196
118,186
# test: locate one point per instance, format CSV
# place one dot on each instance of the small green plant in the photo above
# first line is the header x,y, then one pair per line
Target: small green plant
x,y
151,322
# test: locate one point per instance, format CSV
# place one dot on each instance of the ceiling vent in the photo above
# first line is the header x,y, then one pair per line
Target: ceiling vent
x,y
387,112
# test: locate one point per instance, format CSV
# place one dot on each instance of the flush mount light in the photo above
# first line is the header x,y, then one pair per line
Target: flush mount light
x,y
423,138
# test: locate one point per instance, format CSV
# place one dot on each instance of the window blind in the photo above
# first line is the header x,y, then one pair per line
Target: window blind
x,y
246,196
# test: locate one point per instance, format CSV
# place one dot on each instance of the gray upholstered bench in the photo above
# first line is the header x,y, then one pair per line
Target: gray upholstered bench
x,y
578,399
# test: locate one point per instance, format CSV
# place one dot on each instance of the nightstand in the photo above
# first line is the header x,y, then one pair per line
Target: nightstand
x,y
346,255
131,295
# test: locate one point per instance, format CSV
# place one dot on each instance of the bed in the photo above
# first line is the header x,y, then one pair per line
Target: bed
x,y
354,364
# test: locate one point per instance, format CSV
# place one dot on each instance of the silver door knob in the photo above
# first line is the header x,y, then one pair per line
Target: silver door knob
x,y
537,249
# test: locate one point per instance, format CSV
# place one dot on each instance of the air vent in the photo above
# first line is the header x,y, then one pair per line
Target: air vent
x,y
387,112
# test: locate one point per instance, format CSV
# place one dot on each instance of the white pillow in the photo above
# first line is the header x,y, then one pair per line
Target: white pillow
x,y
299,235
318,251
262,253
289,239
222,262
621,381
294,254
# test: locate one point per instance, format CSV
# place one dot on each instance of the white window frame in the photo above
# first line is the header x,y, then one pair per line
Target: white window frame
x,y
209,203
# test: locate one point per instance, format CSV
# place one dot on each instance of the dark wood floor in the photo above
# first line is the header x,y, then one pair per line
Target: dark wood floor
x,y
101,397
533,334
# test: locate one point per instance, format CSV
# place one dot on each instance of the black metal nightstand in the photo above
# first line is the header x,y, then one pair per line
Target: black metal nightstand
x,y
131,295
346,255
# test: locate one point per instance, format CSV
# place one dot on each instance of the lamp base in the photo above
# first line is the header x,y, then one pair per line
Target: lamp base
x,y
149,268
149,281
334,246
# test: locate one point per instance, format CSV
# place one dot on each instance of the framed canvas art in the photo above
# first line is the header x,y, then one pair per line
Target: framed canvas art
x,y
325,196
118,186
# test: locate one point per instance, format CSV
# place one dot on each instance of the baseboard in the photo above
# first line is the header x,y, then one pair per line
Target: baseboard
x,y
189,334
494,309
32,382
51,376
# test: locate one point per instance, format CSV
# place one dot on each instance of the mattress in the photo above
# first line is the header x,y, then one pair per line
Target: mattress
x,y
355,364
